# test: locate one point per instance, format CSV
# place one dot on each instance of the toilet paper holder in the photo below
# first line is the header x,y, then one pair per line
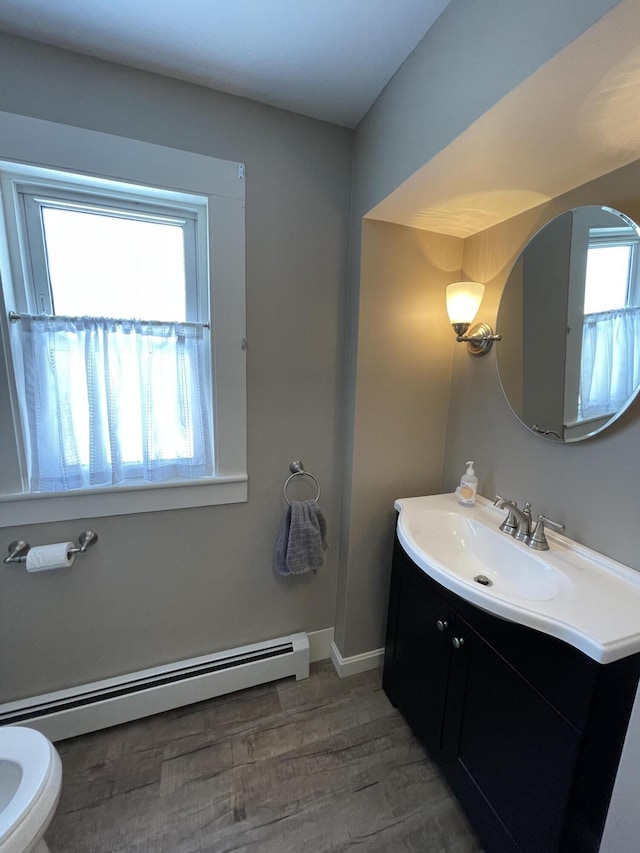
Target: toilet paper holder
x,y
18,549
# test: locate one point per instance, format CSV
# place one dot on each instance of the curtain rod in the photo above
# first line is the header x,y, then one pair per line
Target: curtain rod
x,y
14,317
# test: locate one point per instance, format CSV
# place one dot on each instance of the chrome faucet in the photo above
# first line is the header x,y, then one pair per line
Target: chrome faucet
x,y
518,521
518,524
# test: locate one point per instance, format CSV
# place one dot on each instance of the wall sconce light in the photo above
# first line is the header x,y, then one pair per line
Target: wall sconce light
x,y
463,301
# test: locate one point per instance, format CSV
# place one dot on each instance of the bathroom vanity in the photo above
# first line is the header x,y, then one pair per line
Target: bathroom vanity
x,y
526,726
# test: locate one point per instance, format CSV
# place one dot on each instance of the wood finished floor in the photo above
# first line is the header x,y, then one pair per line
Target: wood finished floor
x,y
314,766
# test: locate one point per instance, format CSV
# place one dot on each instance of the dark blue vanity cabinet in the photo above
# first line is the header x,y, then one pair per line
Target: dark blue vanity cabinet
x,y
526,729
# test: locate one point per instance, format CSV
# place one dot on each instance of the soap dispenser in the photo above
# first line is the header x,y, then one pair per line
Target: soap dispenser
x,y
466,491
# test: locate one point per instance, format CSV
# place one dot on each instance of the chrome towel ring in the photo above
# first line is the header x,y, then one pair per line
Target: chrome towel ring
x,y
297,470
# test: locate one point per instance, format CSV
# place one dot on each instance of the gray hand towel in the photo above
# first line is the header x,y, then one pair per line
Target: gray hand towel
x,y
301,539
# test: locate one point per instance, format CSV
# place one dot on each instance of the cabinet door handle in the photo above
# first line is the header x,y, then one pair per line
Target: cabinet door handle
x,y
458,642
441,624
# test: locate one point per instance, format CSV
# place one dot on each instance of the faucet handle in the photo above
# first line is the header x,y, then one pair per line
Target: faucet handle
x,y
538,540
510,524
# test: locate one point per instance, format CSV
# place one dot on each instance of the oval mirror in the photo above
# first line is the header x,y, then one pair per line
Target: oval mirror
x,y
569,360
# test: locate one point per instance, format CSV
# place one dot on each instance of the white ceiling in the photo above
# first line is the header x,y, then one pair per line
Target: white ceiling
x,y
329,59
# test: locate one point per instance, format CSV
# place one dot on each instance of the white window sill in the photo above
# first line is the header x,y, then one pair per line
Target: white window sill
x,y
19,509
578,422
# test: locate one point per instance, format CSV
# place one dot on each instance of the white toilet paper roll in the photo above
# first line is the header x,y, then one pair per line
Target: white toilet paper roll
x,y
44,557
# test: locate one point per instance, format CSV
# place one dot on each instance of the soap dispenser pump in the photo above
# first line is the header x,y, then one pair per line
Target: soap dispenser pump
x,y
466,491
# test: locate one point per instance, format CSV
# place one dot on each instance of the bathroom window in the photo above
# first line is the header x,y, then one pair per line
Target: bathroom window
x,y
114,347
121,298
97,256
611,275
611,327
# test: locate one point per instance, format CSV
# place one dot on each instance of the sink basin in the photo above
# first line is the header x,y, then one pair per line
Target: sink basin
x,y
570,592
471,550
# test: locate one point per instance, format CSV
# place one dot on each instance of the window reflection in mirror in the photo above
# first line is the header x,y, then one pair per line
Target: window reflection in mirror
x,y
572,303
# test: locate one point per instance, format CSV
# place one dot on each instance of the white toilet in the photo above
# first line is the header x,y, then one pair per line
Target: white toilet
x,y
30,782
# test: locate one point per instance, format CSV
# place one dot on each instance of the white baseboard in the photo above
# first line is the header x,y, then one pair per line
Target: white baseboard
x,y
320,644
356,663
90,707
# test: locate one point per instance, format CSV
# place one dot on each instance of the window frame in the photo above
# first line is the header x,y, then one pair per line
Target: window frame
x,y
604,238
31,196
75,158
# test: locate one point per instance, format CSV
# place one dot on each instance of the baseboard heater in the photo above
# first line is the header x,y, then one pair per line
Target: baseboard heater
x,y
89,707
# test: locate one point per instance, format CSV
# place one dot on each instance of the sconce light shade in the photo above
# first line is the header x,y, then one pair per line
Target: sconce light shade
x,y
463,301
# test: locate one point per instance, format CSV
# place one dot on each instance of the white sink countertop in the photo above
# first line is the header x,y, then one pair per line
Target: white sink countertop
x,y
570,592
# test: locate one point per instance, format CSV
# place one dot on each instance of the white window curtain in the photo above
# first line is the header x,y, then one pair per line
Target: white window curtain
x,y
610,368
110,401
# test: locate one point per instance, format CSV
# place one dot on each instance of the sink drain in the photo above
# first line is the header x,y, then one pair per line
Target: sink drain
x,y
483,579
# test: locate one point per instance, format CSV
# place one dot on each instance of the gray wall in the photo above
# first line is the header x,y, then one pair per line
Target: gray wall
x,y
404,377
473,55
164,586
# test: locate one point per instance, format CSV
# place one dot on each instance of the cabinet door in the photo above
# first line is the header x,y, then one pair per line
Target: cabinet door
x,y
421,655
513,755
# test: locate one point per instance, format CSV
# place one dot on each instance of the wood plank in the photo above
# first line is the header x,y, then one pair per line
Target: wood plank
x,y
315,766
